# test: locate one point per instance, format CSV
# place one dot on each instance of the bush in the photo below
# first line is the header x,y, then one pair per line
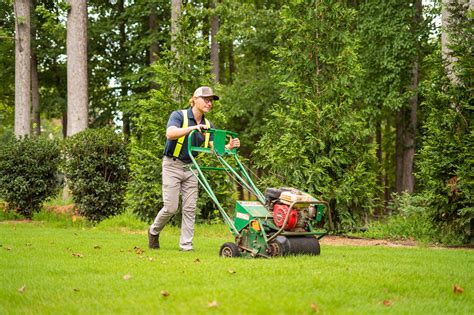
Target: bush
x,y
28,173
446,158
409,220
96,170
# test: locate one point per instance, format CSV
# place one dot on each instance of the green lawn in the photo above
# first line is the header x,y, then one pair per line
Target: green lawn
x,y
51,270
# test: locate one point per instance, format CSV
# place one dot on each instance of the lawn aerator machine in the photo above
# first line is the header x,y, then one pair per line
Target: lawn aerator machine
x,y
280,222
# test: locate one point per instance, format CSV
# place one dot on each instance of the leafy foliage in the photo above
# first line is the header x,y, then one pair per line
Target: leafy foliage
x,y
316,137
176,78
249,90
28,173
7,68
96,170
314,89
446,160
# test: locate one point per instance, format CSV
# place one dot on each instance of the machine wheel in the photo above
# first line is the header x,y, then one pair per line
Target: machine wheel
x,y
279,247
229,250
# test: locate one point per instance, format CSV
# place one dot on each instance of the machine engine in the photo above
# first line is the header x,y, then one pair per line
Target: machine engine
x,y
278,201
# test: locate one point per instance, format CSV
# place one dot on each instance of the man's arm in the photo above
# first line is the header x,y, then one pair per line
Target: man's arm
x,y
173,132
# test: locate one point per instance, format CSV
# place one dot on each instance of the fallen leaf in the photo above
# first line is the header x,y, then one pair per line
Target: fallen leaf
x,y
164,293
212,304
78,255
127,277
231,271
457,289
22,289
197,260
314,307
151,258
138,250
387,303
8,248
97,247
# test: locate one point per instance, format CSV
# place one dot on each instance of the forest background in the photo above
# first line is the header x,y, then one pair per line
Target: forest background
x,y
365,104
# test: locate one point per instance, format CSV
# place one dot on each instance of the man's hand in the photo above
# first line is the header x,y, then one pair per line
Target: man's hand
x,y
198,128
233,143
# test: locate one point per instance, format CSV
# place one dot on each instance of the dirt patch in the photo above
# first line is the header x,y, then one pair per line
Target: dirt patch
x,y
17,221
354,241
61,209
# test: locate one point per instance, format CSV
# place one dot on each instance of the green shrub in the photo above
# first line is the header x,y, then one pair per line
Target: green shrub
x,y
28,173
446,157
409,220
96,170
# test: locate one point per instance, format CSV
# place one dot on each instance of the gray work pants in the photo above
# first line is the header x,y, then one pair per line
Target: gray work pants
x,y
177,178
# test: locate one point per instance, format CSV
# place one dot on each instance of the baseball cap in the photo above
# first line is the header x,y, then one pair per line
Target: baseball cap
x,y
205,91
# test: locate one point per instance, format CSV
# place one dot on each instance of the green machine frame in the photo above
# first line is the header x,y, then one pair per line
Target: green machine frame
x,y
246,211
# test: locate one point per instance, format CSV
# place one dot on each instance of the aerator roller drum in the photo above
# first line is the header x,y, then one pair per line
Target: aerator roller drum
x,y
296,245
283,221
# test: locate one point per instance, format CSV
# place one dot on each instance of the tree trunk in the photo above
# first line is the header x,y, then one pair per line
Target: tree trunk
x,y
406,118
446,52
64,122
35,101
380,178
124,90
410,131
154,46
215,71
35,104
408,178
77,94
399,151
175,15
22,10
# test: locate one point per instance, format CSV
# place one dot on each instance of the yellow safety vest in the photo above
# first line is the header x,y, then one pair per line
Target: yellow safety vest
x,y
179,143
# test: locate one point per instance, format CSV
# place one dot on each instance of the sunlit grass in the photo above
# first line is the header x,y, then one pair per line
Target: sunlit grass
x,y
45,269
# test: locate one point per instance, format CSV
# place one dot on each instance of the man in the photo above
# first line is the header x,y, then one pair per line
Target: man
x,y
177,177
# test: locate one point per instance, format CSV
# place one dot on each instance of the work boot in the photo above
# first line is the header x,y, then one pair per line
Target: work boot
x,y
153,240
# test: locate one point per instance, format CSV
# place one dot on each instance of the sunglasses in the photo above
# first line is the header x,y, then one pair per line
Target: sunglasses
x,y
207,99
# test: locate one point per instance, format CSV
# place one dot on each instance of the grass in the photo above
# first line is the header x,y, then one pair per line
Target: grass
x,y
46,269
